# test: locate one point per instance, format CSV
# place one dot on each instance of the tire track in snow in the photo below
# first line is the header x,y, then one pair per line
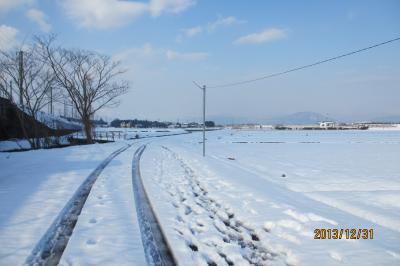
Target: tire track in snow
x,y
231,230
157,249
49,249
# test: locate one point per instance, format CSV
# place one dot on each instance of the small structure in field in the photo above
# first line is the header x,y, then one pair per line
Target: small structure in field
x,y
327,125
126,124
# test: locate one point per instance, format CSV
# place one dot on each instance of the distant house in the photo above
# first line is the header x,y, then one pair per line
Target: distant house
x,y
327,125
100,123
193,124
126,124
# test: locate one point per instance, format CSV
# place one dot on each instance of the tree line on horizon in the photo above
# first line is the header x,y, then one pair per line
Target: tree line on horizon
x,y
153,124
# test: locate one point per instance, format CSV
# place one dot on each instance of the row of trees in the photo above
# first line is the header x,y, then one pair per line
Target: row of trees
x,y
45,71
140,123
155,124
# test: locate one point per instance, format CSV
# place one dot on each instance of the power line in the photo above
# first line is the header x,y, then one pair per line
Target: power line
x,y
302,67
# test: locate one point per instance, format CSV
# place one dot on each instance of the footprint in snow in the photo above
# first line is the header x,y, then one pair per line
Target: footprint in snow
x,y
93,221
91,242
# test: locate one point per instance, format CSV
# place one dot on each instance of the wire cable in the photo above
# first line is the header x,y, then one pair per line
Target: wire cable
x,y
303,67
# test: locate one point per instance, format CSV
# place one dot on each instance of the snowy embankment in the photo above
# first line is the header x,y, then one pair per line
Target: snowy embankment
x,y
23,144
53,121
35,186
15,144
258,196
57,122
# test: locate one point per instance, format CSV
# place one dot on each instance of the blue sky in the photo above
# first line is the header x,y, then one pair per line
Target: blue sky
x,y
165,44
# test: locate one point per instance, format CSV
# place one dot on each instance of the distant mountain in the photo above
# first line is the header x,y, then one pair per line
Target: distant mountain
x,y
225,120
300,118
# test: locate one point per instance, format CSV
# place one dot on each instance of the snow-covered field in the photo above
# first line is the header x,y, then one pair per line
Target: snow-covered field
x,y
278,187
256,198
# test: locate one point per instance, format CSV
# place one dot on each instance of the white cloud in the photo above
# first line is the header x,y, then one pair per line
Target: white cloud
x,y
267,35
172,55
211,26
39,18
104,14
149,52
6,5
191,32
7,37
224,22
157,7
146,50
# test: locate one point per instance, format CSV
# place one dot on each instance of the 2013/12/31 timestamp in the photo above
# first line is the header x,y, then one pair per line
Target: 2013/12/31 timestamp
x,y
353,233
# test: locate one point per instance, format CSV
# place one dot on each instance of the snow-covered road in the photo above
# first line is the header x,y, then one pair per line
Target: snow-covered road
x,y
35,186
51,246
107,232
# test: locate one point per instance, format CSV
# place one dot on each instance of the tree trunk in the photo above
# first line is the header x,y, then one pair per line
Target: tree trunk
x,y
88,129
21,118
36,135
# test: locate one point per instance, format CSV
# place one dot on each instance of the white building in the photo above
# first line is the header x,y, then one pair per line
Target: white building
x,y
126,124
327,124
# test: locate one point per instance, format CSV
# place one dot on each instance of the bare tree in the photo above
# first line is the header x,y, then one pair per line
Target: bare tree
x,y
4,85
89,79
33,78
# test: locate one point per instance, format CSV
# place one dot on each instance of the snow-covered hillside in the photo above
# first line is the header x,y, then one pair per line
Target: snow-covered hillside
x,y
57,122
51,120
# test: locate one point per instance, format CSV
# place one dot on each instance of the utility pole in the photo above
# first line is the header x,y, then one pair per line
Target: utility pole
x,y
11,91
203,88
65,108
21,76
51,100
204,120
